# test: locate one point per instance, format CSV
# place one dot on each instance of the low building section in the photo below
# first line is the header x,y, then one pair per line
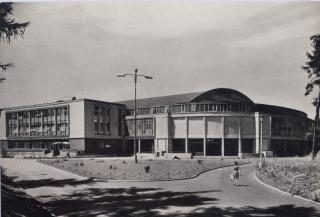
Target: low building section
x,y
219,122
72,127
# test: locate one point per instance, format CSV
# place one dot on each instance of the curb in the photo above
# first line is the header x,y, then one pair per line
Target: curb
x,y
165,180
284,192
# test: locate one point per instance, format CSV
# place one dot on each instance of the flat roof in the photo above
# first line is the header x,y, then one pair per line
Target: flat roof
x,y
58,102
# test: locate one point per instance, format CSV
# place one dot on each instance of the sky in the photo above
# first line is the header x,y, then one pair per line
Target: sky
x,y
78,48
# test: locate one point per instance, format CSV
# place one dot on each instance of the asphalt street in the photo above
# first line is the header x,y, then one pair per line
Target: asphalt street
x,y
210,194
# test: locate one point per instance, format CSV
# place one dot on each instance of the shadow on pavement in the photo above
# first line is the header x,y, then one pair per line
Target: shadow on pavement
x,y
26,184
125,202
275,211
146,202
244,185
16,203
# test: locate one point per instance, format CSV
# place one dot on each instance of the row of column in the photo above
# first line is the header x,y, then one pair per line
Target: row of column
x,y
205,136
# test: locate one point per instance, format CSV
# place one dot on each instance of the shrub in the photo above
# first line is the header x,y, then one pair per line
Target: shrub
x,y
81,164
124,162
200,162
110,167
147,169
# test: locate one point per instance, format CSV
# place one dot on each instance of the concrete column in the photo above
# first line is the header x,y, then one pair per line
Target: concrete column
x,y
55,121
139,146
187,132
239,142
205,136
155,142
222,137
29,128
257,123
270,126
41,123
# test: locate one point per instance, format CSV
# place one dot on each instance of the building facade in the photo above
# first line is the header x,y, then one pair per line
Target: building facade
x,y
79,126
218,122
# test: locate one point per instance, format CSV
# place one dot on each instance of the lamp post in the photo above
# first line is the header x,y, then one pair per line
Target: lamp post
x,y
135,76
261,123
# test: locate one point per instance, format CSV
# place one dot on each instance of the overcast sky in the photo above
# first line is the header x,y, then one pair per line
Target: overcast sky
x,y
78,48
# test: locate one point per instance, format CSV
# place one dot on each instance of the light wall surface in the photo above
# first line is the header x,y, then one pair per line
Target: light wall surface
x,y
77,127
2,125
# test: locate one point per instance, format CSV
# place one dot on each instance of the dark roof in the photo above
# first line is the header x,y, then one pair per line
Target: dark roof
x,y
218,95
278,110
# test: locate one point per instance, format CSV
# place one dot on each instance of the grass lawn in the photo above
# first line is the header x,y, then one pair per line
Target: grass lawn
x,y
115,169
297,176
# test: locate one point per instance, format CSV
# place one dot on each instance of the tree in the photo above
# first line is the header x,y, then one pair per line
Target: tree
x,y
312,67
9,29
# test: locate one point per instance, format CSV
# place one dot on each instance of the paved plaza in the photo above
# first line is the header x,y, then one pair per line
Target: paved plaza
x,y
210,194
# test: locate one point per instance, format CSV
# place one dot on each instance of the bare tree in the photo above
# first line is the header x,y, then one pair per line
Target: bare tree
x,y
9,29
312,67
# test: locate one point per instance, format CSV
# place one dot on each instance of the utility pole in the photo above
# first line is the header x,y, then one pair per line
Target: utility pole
x,y
135,77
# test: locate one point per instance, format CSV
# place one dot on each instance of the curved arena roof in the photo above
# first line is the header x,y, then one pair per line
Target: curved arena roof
x,y
213,96
216,96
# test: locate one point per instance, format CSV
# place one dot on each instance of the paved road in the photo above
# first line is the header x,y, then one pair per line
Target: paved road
x,y
210,194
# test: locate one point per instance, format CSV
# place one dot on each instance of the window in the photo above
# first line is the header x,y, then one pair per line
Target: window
x,y
144,127
38,122
35,123
101,119
160,109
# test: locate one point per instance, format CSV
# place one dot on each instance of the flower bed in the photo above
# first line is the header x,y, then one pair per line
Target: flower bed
x,y
150,170
297,176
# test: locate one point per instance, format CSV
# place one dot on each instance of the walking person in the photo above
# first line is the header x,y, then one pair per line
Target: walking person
x,y
235,173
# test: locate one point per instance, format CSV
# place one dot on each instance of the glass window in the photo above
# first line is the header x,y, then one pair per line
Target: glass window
x,y
101,120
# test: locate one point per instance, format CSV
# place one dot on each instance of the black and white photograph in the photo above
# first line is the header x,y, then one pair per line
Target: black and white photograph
x,y
145,108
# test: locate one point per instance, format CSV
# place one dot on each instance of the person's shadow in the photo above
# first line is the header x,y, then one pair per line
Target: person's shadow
x,y
244,185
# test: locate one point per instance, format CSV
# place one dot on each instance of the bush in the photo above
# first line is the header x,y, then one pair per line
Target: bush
x,y
200,162
296,176
147,169
81,164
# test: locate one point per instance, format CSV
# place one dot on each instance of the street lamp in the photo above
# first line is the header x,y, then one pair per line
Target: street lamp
x,y
261,123
135,76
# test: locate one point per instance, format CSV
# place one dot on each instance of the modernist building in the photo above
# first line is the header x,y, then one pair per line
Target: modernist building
x,y
218,122
78,126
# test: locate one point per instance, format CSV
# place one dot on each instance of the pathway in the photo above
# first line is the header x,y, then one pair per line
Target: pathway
x,y
210,194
